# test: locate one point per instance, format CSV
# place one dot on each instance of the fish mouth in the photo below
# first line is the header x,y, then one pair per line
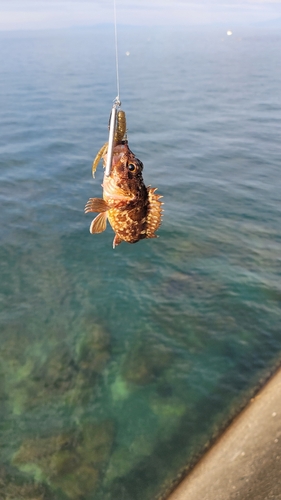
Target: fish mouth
x,y
110,190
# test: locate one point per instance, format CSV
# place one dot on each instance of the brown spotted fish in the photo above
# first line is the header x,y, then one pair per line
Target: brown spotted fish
x,y
134,211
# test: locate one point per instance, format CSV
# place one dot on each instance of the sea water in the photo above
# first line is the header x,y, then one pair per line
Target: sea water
x,y
118,367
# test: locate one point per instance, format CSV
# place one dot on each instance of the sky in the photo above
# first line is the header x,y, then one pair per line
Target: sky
x,y
46,14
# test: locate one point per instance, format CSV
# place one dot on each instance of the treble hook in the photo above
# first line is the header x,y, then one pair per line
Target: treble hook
x,y
112,128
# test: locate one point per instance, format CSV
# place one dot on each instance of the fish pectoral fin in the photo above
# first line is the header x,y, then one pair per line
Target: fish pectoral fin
x,y
95,205
117,240
99,223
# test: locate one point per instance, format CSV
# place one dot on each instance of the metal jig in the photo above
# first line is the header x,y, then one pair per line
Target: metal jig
x,y
117,134
112,128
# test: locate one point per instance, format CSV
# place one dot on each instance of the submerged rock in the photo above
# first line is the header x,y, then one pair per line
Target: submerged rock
x,y
39,381
123,460
96,442
145,362
80,482
120,464
70,462
60,375
169,410
93,349
16,489
25,492
40,454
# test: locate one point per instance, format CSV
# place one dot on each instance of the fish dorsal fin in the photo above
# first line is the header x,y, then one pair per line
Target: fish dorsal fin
x,y
96,205
117,240
154,213
99,223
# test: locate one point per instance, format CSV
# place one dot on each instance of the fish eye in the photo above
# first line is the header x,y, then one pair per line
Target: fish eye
x,y
131,167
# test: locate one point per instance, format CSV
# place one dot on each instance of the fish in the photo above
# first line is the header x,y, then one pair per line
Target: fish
x,y
133,210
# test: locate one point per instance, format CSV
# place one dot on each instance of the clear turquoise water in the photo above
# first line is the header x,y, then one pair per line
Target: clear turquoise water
x,y
118,367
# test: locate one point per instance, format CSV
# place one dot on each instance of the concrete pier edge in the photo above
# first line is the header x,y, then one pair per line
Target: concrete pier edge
x,y
245,460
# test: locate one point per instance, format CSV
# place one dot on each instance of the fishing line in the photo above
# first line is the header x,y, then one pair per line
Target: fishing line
x,y
116,103
116,55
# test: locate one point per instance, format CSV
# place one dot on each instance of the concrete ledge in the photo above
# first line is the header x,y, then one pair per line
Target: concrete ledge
x,y
245,463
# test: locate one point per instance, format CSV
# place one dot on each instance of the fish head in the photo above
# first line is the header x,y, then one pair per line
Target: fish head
x,y
125,184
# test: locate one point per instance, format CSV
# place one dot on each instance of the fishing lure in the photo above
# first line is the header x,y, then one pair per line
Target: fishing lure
x,y
119,135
